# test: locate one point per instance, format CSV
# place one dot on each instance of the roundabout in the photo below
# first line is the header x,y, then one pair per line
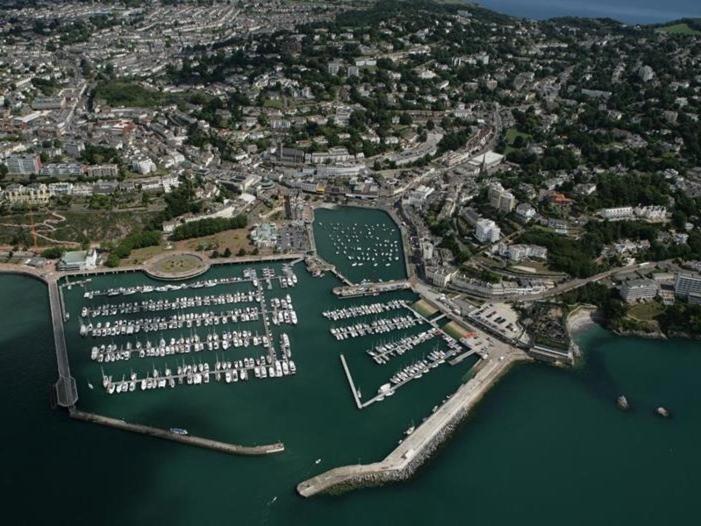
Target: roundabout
x,y
176,266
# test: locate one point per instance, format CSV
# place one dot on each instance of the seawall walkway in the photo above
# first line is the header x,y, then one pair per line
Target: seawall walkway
x,y
401,463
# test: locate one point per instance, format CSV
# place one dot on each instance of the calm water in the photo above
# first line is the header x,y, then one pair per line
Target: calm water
x,y
629,11
351,232
544,444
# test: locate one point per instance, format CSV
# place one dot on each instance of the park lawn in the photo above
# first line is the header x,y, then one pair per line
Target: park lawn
x,y
140,255
679,29
511,135
234,240
645,311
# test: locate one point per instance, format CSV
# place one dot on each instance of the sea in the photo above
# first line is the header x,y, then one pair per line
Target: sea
x,y
627,11
545,447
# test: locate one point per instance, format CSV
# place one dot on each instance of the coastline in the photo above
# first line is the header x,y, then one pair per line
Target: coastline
x,y
583,318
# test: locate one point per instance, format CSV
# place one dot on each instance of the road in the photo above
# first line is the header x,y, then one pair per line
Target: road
x,y
577,283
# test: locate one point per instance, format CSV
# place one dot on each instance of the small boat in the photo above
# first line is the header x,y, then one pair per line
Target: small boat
x,y
90,386
317,461
178,431
663,412
622,403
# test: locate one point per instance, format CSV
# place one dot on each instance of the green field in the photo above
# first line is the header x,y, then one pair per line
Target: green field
x,y
679,29
645,311
424,308
511,135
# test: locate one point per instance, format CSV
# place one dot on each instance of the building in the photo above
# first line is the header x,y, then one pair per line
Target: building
x,y
427,249
525,212
78,260
48,103
33,194
143,166
651,213
487,231
334,155
61,169
638,290
501,199
621,212
688,285
294,207
518,253
265,235
102,171
487,161
440,276
334,67
419,195
23,164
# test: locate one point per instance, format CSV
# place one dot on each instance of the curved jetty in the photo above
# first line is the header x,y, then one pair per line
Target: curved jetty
x,y
401,463
215,445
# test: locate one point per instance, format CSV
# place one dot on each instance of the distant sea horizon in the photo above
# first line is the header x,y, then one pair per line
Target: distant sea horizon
x,y
626,11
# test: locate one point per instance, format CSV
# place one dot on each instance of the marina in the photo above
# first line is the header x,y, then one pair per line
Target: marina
x,y
180,303
363,310
378,326
365,244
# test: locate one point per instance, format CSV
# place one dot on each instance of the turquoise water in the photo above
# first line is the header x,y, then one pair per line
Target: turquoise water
x,y
545,445
629,11
362,243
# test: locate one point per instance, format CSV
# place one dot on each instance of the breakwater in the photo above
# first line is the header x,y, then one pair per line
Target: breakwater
x,y
401,463
215,445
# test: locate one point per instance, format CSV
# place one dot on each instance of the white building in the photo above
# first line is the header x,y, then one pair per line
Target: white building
x,y
525,212
519,252
501,199
143,166
621,212
638,290
487,231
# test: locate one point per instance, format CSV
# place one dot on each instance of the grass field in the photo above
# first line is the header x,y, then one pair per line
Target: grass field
x,y
645,311
455,330
510,137
234,240
424,308
140,255
178,263
679,29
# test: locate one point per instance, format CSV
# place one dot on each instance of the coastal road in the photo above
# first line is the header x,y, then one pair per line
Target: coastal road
x,y
577,283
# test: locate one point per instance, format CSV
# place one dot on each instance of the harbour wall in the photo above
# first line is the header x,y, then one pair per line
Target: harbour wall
x,y
215,445
403,462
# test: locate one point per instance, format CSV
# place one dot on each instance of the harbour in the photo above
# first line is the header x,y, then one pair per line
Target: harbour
x,y
295,410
